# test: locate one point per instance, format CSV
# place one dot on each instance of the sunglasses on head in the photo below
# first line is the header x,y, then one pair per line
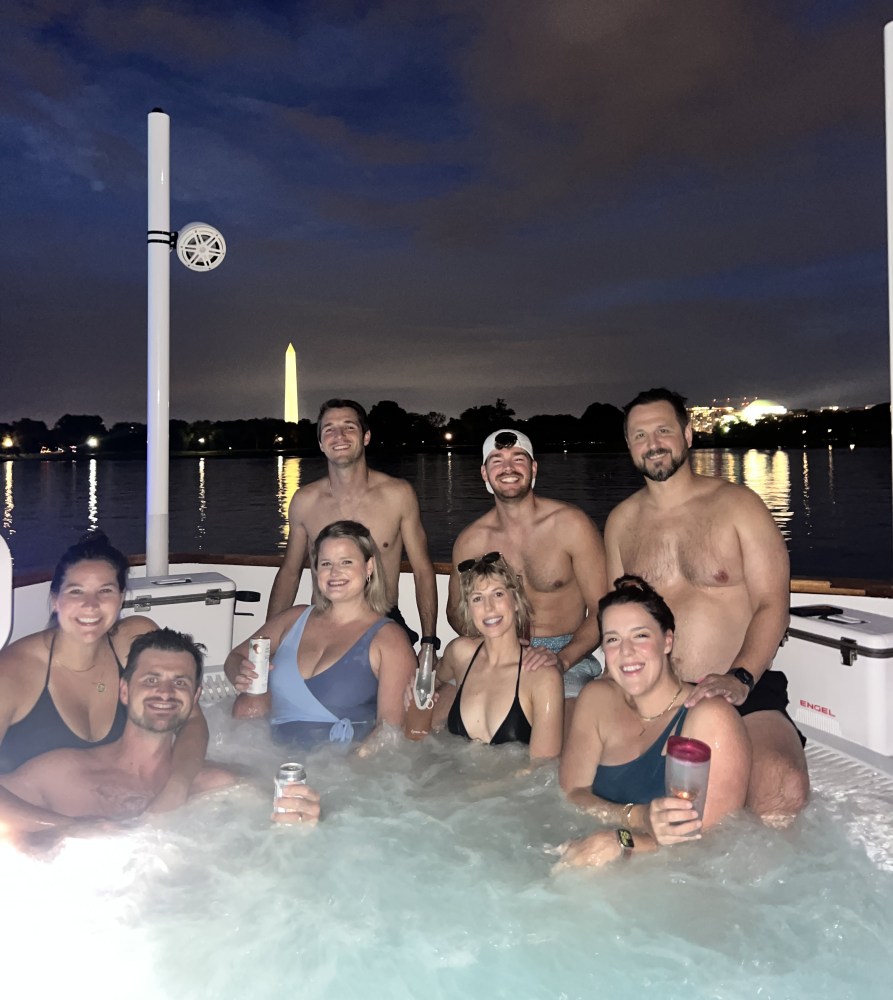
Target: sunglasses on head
x,y
485,560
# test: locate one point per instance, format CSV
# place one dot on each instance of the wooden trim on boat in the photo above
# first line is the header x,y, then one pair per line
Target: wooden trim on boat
x,y
837,587
843,587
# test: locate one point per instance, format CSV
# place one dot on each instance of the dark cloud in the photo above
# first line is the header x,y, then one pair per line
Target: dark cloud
x,y
441,203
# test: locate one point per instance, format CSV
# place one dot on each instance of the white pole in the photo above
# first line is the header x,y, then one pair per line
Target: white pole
x,y
888,96
158,403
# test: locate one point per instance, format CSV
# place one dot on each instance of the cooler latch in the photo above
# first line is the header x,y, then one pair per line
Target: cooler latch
x,y
848,651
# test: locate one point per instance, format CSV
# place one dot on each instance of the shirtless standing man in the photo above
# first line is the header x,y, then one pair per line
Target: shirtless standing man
x,y
386,506
713,551
555,548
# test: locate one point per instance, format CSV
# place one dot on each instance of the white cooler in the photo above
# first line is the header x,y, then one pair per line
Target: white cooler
x,y
839,664
201,604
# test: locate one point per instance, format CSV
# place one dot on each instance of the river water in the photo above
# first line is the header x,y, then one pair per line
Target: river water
x,y
832,506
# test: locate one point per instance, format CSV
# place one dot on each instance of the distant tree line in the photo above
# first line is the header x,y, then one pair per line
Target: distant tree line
x,y
600,428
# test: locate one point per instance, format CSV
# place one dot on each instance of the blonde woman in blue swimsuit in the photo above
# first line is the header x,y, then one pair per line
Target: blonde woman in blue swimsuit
x,y
338,667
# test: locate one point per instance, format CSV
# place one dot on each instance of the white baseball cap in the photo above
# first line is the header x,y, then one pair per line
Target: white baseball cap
x,y
507,438
521,440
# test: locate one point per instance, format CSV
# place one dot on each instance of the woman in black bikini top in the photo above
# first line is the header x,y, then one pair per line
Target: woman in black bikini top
x,y
496,701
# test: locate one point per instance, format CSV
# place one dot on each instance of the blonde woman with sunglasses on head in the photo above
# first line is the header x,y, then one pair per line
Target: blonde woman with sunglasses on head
x,y
494,700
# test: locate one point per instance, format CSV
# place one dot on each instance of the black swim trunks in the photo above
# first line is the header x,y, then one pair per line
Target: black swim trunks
x,y
770,694
395,616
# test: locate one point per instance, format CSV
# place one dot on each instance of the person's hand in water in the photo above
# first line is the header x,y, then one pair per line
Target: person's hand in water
x,y
298,804
594,851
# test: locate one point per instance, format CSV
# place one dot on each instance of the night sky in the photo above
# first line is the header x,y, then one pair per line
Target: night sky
x,y
444,201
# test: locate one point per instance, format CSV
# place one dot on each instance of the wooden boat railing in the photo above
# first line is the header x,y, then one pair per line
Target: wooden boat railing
x,y
835,586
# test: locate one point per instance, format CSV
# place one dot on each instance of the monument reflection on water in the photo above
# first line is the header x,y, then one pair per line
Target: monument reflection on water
x,y
833,506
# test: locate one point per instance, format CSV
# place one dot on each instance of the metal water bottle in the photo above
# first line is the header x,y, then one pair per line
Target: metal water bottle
x,y
421,708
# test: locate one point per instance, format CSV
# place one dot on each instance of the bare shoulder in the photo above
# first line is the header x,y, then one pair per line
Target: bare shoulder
x,y
277,626
27,647
392,638
459,651
23,659
738,501
598,698
545,682
304,498
570,518
712,716
469,538
723,491
626,512
398,491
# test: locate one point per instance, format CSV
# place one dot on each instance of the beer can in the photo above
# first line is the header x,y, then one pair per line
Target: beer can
x,y
289,773
259,656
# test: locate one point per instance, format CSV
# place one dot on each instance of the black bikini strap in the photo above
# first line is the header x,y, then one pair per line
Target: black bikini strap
x,y
108,636
468,670
46,682
518,679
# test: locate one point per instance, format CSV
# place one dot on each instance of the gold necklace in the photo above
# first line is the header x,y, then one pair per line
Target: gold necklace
x,y
650,718
99,685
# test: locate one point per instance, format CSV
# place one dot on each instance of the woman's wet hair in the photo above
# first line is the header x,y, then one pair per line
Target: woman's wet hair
x,y
92,545
631,589
490,568
376,593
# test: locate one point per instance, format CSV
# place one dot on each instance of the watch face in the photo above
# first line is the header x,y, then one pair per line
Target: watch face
x,y
626,840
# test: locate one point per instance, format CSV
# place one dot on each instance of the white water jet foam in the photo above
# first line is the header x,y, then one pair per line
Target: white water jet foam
x,y
428,877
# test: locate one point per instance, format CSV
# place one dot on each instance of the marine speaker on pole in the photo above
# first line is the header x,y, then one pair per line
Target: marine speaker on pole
x,y
200,247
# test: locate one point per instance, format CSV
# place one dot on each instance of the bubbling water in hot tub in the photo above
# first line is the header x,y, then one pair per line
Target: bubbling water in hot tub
x,y
428,878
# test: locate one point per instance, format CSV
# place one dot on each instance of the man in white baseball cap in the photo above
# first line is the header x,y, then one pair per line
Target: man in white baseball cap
x,y
553,545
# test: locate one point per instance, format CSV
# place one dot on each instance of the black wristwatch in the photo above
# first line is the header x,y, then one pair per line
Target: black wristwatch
x,y
745,676
625,839
433,640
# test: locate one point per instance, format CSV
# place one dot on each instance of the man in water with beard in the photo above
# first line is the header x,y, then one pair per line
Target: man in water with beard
x,y
160,685
555,548
714,553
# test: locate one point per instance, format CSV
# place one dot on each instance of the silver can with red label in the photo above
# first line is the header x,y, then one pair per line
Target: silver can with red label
x,y
259,657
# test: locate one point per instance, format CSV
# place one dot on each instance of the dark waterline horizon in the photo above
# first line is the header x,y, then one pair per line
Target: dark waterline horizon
x,y
833,506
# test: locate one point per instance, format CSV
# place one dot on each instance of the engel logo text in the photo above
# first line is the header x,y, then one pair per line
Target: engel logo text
x,y
817,708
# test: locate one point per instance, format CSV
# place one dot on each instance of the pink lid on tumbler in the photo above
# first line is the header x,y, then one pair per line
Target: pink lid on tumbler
x,y
684,748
